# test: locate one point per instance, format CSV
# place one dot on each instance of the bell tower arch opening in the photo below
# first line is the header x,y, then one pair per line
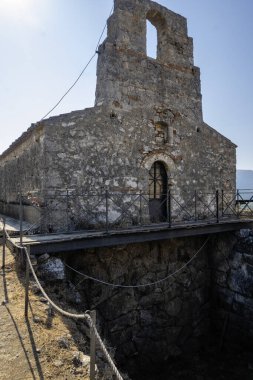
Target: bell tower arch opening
x,y
151,40
155,34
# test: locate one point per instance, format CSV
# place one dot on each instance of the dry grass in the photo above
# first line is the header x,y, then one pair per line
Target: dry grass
x,y
40,334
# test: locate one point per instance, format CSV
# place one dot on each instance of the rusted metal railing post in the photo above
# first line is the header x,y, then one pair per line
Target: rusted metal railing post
x,y
93,347
4,244
222,203
195,205
217,206
140,207
169,208
20,219
67,210
107,210
237,203
27,279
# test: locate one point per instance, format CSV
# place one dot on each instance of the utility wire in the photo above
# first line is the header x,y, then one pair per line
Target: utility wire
x,y
140,285
66,93
79,76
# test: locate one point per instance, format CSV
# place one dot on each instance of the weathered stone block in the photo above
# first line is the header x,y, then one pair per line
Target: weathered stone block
x,y
52,270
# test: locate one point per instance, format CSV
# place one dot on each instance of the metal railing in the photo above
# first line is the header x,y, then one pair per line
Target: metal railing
x,y
70,210
88,316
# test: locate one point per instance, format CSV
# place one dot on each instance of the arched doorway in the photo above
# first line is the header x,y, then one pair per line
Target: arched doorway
x,y
158,186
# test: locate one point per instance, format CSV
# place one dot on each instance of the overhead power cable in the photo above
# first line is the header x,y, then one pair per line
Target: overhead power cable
x,y
140,285
79,76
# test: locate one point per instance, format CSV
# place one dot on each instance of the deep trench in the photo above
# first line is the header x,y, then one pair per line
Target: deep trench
x,y
207,303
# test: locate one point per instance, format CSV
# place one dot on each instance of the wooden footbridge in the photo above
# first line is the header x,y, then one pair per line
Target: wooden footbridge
x,y
78,240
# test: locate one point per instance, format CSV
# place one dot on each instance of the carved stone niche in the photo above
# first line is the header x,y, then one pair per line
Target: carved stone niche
x,y
163,133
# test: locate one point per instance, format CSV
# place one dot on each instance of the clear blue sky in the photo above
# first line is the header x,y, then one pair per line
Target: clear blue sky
x,y
45,44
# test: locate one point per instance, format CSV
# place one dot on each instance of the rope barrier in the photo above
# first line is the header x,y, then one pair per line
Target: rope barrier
x,y
141,285
60,310
84,316
107,355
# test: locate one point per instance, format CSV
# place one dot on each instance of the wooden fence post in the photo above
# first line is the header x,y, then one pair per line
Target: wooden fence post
x,y
93,347
4,244
27,278
21,219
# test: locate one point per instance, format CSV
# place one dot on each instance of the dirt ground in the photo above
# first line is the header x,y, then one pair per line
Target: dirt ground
x,y
41,347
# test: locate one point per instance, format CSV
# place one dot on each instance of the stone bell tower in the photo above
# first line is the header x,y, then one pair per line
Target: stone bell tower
x,y
128,79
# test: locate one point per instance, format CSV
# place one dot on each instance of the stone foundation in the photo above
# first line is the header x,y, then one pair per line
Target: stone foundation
x,y
147,325
152,326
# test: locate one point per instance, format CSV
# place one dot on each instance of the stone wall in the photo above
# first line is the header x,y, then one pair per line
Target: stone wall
x,y
147,325
23,170
232,269
93,151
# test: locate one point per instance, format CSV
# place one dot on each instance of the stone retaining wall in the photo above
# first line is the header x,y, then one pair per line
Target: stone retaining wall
x,y
147,325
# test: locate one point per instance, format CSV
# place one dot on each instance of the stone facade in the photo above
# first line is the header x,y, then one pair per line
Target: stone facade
x,y
146,111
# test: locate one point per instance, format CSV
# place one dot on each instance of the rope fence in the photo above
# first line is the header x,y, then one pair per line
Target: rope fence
x,y
89,318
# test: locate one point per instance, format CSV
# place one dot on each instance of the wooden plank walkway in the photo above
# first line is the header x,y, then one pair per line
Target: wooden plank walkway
x,y
78,240
13,225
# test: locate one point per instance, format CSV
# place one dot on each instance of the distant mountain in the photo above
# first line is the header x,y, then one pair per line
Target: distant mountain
x,y
244,179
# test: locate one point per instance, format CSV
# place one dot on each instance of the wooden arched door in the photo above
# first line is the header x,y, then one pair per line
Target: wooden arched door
x,y
158,186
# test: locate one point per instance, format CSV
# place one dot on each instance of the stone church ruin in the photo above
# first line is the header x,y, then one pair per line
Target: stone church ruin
x,y
142,156
145,135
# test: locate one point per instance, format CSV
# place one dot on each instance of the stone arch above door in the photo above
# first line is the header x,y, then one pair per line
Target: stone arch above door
x,y
149,160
